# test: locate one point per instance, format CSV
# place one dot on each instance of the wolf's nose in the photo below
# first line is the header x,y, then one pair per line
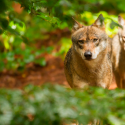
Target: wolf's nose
x,y
88,55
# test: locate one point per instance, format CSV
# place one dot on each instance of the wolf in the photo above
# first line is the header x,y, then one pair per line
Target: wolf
x,y
88,61
118,54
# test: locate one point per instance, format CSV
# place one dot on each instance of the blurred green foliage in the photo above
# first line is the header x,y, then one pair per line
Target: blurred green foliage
x,y
20,31
55,105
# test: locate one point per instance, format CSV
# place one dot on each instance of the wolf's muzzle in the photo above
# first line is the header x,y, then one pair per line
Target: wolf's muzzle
x,y
88,55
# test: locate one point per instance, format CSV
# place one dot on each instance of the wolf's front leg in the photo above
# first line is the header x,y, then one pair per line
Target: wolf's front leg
x,y
105,82
78,82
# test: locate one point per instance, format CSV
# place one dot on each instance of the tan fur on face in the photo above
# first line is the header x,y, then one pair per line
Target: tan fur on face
x,y
88,34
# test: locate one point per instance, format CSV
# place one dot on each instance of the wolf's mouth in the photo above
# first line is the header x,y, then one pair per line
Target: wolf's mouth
x,y
88,59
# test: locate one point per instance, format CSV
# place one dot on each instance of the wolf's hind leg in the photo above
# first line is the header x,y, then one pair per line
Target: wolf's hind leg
x,y
123,83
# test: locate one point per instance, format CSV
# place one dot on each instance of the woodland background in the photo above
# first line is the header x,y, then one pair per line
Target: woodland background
x,y
34,38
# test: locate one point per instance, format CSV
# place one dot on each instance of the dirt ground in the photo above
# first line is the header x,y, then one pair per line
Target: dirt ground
x,y
52,73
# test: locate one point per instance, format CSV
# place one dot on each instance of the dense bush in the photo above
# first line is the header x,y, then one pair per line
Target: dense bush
x,y
55,105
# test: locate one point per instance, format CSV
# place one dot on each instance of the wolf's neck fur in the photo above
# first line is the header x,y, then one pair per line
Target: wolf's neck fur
x,y
97,63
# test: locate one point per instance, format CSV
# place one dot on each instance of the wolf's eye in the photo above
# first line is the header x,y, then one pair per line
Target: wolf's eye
x,y
95,40
123,37
81,41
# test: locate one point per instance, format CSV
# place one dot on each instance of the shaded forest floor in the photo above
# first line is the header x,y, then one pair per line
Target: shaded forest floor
x,y
52,73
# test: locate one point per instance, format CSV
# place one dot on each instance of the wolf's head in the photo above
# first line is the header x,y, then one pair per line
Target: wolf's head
x,y
121,30
89,41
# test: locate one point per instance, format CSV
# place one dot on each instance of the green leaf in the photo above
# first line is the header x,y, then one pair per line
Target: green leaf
x,y
49,49
25,40
2,65
4,23
41,61
10,56
1,31
29,58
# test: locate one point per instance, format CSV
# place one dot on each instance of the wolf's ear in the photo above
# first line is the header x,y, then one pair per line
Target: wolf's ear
x,y
99,22
76,26
121,21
